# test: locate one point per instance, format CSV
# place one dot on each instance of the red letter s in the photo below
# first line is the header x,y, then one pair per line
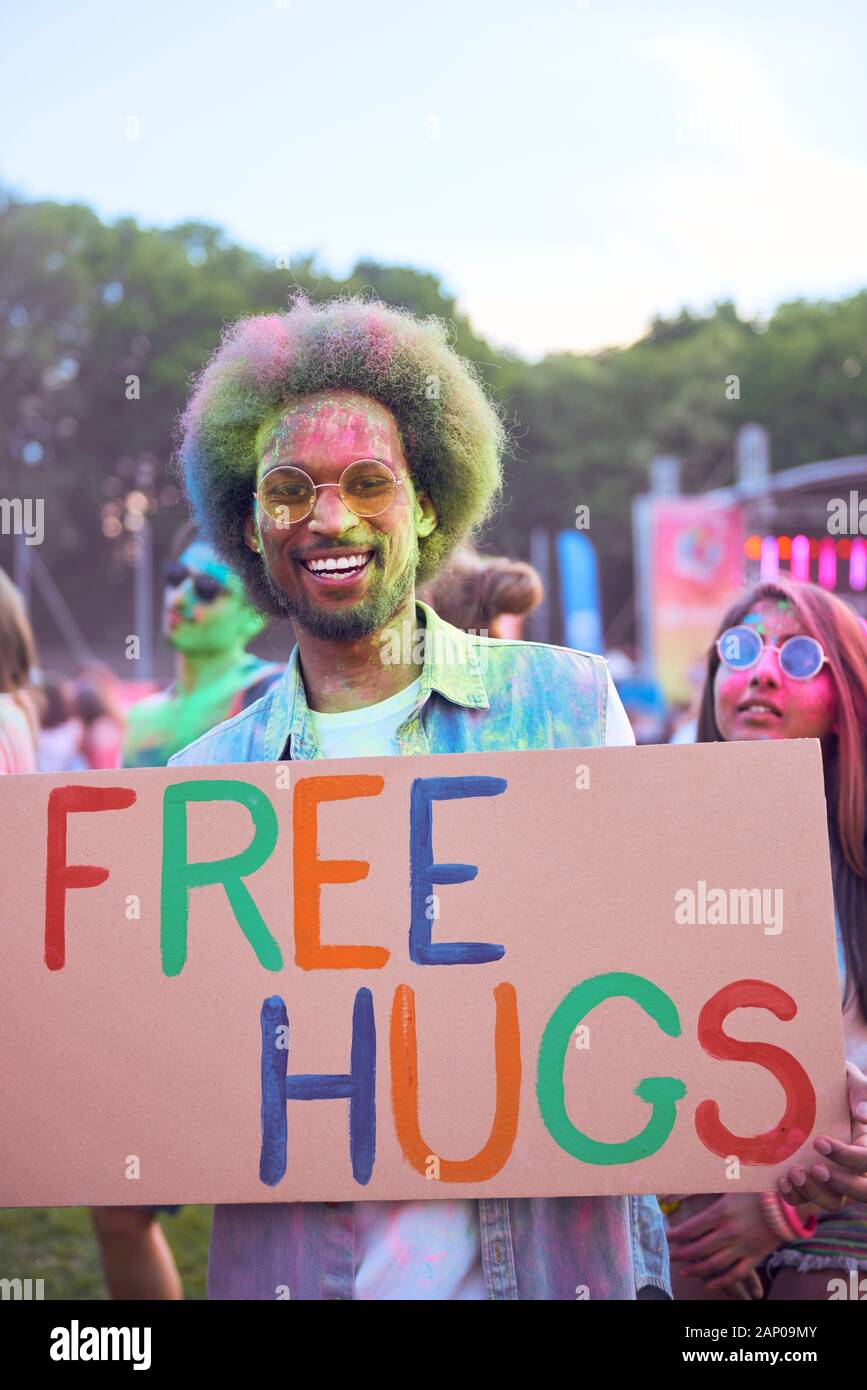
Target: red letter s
x,y
779,1143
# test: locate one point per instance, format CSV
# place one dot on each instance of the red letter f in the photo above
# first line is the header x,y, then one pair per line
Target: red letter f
x,y
58,874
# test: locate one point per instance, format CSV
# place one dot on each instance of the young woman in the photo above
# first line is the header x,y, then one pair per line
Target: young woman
x,y
790,661
19,709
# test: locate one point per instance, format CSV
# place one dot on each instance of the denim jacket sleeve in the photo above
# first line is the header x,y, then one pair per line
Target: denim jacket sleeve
x,y
649,1245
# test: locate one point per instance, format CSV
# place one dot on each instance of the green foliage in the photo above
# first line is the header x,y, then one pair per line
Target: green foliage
x,y
86,306
57,1245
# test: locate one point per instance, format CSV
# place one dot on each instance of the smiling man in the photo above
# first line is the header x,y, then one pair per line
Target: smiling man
x,y
338,592
336,456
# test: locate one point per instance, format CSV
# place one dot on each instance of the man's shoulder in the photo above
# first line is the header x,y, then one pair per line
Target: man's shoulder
x,y
538,661
541,659
236,740
546,688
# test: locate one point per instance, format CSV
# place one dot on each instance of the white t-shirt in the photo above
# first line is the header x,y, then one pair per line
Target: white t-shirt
x,y
371,732
418,1250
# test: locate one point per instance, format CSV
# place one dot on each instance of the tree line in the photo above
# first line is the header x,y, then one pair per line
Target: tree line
x,y
102,326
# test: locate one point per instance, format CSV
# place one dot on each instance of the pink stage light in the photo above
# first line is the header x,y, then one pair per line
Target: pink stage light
x,y
827,563
800,567
770,562
858,566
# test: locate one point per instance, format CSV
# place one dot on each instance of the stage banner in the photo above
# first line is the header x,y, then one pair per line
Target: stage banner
x,y
579,591
696,571
496,974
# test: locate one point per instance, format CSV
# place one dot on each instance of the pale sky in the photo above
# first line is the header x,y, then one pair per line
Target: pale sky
x,y
568,169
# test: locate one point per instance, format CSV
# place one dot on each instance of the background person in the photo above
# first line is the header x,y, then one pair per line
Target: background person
x,y
99,697
101,732
484,593
208,622
790,661
19,700
60,730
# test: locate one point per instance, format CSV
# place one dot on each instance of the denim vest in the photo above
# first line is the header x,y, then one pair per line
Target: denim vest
x,y
477,694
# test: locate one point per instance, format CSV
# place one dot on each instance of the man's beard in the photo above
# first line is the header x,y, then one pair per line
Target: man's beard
x,y
351,624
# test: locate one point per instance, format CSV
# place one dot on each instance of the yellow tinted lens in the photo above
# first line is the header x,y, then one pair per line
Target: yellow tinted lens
x,y
367,487
286,494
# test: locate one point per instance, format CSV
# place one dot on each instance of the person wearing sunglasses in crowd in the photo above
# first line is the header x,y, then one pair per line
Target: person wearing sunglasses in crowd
x,y
208,622
338,454
790,661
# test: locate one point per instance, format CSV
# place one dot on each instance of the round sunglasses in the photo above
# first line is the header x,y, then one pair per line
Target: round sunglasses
x,y
800,657
205,586
287,494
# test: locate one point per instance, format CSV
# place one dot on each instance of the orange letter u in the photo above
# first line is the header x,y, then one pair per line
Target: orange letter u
x,y
404,1089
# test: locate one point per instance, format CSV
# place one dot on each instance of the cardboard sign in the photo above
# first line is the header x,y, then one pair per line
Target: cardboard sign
x,y
512,974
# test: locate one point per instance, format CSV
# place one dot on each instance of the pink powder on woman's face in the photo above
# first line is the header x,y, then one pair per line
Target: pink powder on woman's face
x,y
797,709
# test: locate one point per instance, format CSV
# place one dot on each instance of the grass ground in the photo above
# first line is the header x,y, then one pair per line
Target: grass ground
x,y
57,1244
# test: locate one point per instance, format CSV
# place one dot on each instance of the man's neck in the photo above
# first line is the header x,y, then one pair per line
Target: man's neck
x,y
342,676
195,670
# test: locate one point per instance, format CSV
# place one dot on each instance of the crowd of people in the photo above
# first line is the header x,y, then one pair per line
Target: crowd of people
x,y
333,543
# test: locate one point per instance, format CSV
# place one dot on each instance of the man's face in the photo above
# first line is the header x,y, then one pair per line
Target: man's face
x,y
322,434
217,622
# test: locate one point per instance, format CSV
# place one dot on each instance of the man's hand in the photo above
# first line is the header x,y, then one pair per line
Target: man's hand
x,y
842,1176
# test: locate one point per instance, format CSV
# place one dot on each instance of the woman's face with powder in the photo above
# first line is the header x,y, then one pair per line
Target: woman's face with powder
x,y
764,702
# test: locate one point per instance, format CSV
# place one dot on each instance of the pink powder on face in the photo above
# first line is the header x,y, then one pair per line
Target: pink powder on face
x,y
809,707
325,427
733,685
815,699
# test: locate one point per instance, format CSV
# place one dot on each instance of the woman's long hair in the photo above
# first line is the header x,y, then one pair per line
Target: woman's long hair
x,y
843,637
18,654
17,648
